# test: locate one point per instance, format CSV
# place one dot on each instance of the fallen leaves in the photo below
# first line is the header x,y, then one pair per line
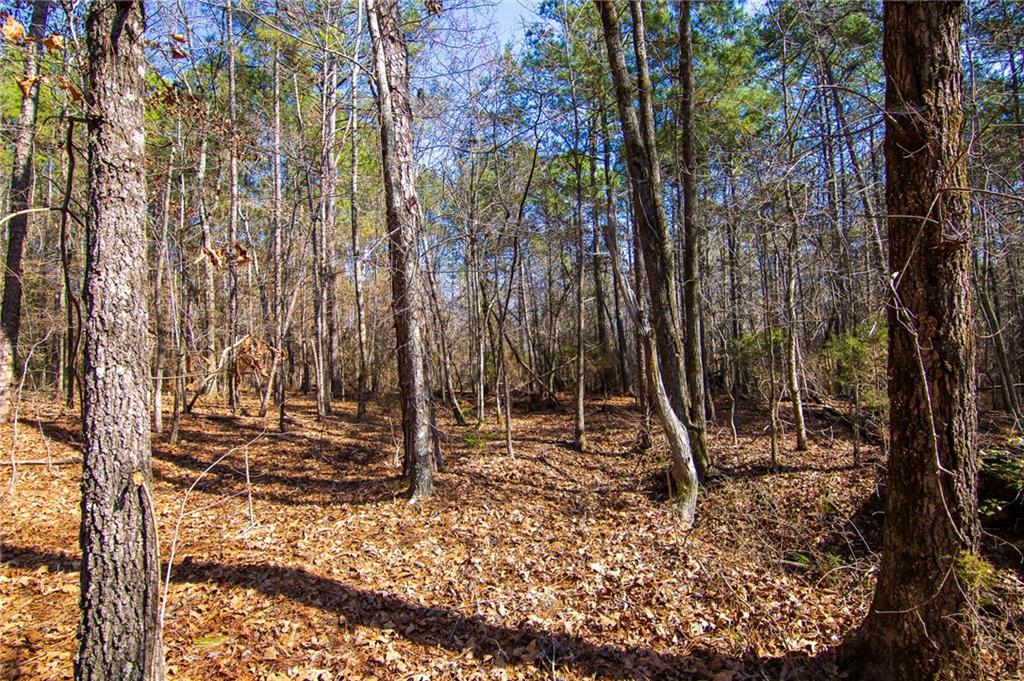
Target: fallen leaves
x,y
14,32
549,565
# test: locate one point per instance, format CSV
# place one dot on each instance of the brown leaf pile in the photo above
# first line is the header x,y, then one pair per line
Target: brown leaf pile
x,y
549,565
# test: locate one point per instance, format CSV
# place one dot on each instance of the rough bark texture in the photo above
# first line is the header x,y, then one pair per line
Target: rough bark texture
x,y
391,67
22,181
922,622
120,638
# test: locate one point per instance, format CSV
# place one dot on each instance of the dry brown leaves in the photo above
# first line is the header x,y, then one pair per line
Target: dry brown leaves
x,y
549,565
13,30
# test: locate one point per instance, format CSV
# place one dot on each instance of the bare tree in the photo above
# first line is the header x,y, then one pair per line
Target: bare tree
x,y
691,250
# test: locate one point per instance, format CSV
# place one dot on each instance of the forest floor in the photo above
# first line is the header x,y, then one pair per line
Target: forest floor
x,y
548,565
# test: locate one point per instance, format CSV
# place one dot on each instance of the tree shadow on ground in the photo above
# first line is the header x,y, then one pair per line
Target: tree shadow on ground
x,y
285,480
726,473
58,432
445,628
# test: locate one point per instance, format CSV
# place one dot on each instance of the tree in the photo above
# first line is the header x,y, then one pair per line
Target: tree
x,y
665,351
22,181
390,60
357,258
691,248
923,618
120,636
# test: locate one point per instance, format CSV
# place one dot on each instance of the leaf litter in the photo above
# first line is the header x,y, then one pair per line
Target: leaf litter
x,y
548,565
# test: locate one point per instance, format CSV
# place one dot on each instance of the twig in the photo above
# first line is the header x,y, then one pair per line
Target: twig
x,y
248,487
46,442
41,462
17,407
181,514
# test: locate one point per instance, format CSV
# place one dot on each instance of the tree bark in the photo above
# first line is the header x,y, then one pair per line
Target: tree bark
x,y
357,257
391,66
691,250
792,368
120,635
645,178
580,373
22,182
210,384
233,210
683,471
158,301
275,384
923,619
611,235
606,368
649,211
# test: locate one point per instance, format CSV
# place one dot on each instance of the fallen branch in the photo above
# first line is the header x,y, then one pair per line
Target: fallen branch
x,y
41,462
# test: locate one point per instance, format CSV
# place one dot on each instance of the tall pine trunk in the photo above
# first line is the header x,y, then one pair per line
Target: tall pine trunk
x,y
923,619
691,263
357,257
120,636
390,59
233,211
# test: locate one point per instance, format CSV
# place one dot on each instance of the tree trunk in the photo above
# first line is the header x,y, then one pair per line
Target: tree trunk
x,y
792,368
792,356
645,178
580,428
580,373
158,302
922,623
357,257
120,634
1009,389
606,368
683,470
22,181
445,350
209,384
691,250
233,211
323,230
611,235
391,66
73,313
274,382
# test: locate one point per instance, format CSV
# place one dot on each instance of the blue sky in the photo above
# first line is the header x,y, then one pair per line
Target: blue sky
x,y
509,16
